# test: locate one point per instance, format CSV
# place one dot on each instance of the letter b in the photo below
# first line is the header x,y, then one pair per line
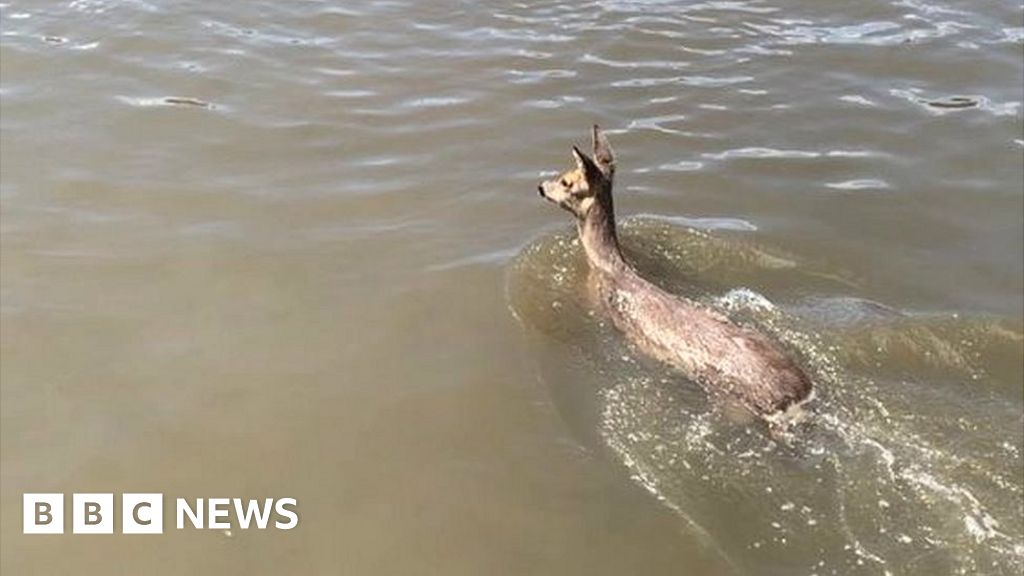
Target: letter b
x,y
43,513
92,513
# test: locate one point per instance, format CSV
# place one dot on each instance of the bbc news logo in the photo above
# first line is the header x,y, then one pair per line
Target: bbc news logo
x,y
144,513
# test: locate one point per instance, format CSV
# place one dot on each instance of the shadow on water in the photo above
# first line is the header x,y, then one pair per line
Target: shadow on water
x,y
907,462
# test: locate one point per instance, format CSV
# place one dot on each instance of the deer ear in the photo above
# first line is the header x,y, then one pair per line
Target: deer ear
x,y
603,155
591,170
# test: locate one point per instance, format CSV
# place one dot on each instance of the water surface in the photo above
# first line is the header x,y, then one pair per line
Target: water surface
x,y
294,249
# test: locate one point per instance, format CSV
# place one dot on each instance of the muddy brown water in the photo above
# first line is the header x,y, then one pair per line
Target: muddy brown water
x,y
294,249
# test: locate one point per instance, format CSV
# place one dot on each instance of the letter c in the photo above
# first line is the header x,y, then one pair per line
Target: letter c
x,y
135,514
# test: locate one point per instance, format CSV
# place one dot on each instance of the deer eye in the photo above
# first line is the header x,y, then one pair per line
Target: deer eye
x,y
565,183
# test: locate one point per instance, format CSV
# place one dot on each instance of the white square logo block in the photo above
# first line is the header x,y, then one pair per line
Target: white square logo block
x,y
43,513
142,513
92,513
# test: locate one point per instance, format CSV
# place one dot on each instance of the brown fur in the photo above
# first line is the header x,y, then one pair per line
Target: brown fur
x,y
704,345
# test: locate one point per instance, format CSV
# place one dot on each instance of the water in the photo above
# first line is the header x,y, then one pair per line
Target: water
x,y
294,249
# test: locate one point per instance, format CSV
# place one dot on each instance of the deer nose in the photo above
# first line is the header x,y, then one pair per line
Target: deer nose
x,y
540,189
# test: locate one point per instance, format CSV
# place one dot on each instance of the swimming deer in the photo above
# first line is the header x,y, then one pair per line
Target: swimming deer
x,y
703,344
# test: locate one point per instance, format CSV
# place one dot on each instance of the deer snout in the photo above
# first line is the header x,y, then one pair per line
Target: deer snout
x,y
540,190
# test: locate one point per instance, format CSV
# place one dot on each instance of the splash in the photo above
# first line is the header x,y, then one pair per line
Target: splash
x,y
906,462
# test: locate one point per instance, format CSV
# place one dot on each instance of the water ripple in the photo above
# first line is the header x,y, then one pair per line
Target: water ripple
x,y
859,184
634,64
179,101
939,105
435,102
700,81
763,152
535,76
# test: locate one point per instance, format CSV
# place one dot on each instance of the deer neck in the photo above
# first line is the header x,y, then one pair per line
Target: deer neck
x,y
599,237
